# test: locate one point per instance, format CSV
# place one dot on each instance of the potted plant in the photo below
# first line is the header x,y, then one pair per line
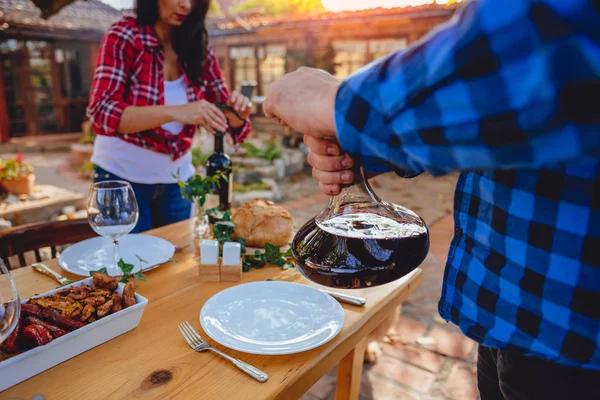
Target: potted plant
x,y
81,152
16,176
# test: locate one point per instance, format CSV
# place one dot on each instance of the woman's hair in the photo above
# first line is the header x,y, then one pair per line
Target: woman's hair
x,y
189,40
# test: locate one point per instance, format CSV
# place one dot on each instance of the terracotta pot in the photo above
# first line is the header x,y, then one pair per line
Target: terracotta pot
x,y
80,154
20,186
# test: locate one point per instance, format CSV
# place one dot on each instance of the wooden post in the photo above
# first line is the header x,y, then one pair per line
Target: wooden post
x,y
258,77
31,114
4,119
92,57
350,373
59,105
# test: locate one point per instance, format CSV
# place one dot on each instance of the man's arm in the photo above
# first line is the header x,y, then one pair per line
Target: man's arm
x,y
504,84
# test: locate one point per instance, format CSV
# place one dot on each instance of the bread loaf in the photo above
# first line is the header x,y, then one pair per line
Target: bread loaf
x,y
261,221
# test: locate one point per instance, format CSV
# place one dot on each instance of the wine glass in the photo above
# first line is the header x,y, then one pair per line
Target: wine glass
x,y
10,304
112,211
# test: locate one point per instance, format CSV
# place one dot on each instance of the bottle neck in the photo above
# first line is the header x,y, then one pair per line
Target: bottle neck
x,y
219,147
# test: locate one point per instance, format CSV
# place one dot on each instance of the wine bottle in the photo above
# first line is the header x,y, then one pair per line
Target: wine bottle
x,y
217,163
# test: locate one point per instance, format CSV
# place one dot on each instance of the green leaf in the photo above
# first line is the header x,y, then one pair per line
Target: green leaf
x,y
288,253
279,262
288,265
246,265
124,280
101,270
272,252
140,275
125,268
242,243
225,223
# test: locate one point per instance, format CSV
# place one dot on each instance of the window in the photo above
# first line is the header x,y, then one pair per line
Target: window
x,y
272,65
41,79
69,62
13,59
349,57
244,65
383,47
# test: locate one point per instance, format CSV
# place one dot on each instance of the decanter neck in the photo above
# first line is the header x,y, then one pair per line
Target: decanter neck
x,y
356,197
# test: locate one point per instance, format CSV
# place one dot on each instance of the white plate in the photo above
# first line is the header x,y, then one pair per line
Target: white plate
x,y
272,318
96,253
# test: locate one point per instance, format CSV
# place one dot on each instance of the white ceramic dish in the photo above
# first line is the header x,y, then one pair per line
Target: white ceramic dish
x,y
25,365
96,253
272,318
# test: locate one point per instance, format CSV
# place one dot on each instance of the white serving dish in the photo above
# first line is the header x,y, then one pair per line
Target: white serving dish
x,y
25,365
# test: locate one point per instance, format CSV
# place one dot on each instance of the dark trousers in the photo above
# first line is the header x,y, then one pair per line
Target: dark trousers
x,y
158,205
510,375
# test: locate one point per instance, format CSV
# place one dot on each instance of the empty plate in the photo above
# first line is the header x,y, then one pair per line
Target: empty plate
x,y
97,253
272,318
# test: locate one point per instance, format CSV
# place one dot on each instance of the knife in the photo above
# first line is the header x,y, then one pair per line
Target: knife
x,y
44,269
345,298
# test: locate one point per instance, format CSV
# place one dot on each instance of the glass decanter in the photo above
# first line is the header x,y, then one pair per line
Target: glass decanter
x,y
359,240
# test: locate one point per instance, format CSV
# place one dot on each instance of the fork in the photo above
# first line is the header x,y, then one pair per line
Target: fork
x,y
195,341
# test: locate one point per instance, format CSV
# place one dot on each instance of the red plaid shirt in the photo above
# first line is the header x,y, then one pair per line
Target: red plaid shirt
x,y
129,72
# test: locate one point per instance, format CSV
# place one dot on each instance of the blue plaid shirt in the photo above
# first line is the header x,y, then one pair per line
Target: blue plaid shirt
x,y
508,93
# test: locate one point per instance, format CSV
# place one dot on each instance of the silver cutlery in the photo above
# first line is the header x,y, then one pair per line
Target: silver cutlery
x,y
195,341
346,298
44,269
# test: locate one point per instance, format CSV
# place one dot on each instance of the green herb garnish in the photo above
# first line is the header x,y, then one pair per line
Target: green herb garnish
x,y
126,270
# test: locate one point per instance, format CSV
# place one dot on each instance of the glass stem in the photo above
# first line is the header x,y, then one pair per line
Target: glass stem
x,y
117,255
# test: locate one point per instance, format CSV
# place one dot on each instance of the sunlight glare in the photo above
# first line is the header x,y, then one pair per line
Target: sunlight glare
x,y
338,5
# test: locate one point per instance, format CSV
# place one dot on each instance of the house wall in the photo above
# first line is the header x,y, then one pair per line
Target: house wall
x,y
308,43
266,54
69,81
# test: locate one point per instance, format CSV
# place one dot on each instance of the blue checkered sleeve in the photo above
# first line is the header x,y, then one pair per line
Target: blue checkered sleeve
x,y
508,93
510,84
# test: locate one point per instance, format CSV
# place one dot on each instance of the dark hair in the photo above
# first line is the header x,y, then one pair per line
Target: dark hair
x,y
190,40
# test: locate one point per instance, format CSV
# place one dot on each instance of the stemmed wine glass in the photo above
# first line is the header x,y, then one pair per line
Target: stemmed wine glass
x,y
10,304
112,211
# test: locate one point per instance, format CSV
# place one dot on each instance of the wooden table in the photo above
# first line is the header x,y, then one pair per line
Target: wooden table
x,y
47,196
153,361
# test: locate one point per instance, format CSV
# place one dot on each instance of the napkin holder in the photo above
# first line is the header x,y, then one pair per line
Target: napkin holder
x,y
231,273
210,272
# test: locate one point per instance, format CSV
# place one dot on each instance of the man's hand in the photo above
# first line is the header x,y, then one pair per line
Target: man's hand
x,y
331,168
305,101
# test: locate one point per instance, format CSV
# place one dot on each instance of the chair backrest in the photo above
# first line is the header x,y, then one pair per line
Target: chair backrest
x,y
32,237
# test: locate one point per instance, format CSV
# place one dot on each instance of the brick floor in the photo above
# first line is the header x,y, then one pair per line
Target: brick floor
x,y
451,344
408,330
415,355
462,383
404,373
444,367
376,388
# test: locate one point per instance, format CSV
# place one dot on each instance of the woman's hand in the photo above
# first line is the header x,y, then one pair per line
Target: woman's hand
x,y
242,105
202,113
331,168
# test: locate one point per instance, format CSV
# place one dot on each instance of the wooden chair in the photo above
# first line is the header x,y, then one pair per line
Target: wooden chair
x,y
32,237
